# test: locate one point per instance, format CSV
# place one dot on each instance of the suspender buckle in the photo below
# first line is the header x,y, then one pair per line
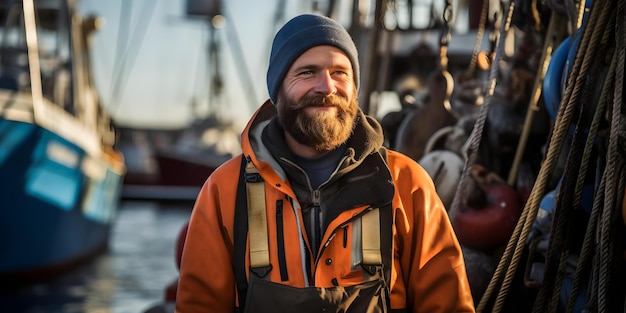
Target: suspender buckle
x,y
261,271
371,269
253,178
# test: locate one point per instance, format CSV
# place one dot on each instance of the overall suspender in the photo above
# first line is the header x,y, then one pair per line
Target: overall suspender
x,y
250,215
257,221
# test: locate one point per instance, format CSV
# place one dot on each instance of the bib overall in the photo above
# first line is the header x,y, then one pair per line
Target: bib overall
x,y
261,295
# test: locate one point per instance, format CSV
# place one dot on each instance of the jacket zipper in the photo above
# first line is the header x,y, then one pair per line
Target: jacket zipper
x,y
317,210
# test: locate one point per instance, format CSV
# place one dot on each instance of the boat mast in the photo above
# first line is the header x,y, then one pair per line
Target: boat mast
x,y
34,67
210,11
369,41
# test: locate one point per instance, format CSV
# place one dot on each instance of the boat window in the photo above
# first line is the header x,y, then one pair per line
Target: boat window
x,y
13,54
54,47
53,34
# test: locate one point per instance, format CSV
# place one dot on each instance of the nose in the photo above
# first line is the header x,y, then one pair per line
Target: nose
x,y
325,84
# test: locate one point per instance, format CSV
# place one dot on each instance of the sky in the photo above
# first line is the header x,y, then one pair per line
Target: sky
x,y
166,60
151,59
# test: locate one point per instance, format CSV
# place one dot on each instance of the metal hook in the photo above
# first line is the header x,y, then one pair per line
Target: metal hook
x,y
448,13
449,89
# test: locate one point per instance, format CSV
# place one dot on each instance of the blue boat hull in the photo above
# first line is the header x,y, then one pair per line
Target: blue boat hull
x,y
58,203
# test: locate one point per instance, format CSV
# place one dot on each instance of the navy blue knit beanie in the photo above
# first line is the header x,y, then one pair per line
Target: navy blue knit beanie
x,y
299,35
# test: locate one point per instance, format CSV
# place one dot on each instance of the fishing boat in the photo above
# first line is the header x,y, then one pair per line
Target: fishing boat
x,y
172,165
61,173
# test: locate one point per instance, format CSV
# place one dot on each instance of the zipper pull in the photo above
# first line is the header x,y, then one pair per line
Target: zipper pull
x,y
316,195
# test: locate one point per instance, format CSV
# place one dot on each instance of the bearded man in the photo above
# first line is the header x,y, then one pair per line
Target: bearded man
x,y
316,215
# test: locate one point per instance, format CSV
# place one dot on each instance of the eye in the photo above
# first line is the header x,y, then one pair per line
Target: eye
x,y
341,72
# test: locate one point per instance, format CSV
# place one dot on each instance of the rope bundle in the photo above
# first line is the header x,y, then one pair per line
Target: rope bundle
x,y
594,85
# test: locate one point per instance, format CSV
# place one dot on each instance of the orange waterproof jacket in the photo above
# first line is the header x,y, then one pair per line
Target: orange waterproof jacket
x,y
428,272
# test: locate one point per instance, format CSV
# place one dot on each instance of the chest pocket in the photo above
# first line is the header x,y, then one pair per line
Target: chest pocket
x,y
259,294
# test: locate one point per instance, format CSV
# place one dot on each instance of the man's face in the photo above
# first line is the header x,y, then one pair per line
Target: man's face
x,y
317,102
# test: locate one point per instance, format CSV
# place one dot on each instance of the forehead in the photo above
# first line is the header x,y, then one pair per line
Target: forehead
x,y
325,55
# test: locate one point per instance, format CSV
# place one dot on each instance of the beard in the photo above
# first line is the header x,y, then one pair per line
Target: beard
x,y
323,131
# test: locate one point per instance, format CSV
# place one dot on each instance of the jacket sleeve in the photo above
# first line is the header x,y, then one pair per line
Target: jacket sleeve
x,y
430,267
207,280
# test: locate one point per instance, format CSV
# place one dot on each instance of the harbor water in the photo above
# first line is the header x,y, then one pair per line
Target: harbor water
x,y
130,277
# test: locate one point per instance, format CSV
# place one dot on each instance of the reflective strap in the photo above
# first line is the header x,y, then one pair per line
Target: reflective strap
x,y
257,220
370,237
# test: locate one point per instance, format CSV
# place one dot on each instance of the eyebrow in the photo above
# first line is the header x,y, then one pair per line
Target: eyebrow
x,y
314,67
311,67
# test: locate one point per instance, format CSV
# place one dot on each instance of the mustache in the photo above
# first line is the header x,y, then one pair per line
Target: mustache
x,y
320,100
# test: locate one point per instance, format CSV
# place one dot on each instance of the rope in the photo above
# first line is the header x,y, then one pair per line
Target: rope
x,y
480,32
557,252
589,248
130,55
588,244
548,296
476,135
571,188
614,172
516,243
